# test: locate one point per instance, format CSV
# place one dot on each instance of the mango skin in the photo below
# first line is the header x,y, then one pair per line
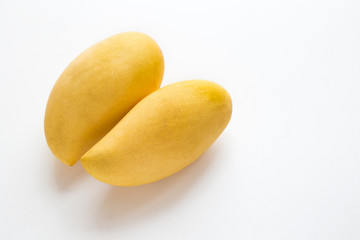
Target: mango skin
x,y
97,89
161,135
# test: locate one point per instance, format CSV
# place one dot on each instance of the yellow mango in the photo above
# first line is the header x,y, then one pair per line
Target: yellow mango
x,y
97,89
162,134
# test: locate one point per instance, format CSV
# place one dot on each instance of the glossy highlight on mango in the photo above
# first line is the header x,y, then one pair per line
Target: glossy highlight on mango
x,y
162,134
96,91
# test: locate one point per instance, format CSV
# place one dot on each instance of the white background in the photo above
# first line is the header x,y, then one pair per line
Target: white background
x,y
286,167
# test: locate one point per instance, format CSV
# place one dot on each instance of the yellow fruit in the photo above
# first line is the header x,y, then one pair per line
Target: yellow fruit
x,y
161,135
97,89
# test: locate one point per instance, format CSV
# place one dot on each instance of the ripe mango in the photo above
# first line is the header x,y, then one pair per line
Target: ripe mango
x,y
162,134
97,89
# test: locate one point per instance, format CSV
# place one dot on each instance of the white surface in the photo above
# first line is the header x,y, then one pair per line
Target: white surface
x,y
287,166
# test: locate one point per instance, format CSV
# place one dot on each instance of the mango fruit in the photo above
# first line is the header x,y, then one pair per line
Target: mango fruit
x,y
162,134
97,89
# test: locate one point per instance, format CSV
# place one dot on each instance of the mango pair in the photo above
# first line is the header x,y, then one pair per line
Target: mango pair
x,y
107,110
